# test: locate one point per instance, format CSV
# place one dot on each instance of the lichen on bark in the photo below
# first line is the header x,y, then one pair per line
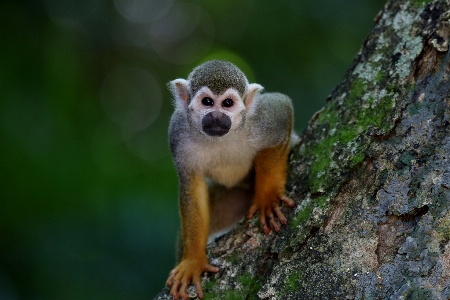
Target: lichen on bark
x,y
370,177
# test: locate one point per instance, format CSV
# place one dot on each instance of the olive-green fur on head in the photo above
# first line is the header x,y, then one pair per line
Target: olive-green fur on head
x,y
218,76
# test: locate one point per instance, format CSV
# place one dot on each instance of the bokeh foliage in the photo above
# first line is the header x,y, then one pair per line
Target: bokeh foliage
x,y
88,200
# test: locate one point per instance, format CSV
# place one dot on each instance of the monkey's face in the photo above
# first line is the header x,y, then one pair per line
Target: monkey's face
x,y
216,115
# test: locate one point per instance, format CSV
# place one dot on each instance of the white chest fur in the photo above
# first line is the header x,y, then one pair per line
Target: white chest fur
x,y
226,161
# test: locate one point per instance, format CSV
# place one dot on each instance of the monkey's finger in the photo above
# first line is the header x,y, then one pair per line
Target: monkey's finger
x,y
252,211
262,220
184,296
274,225
211,269
287,200
169,281
198,286
280,215
272,221
183,289
174,290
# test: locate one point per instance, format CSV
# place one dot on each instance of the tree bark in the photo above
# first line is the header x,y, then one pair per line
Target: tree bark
x,y
370,177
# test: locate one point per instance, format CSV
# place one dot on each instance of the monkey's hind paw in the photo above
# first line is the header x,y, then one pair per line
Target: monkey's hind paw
x,y
184,273
270,212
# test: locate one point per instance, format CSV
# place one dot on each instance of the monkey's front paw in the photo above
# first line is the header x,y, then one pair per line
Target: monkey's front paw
x,y
267,212
188,270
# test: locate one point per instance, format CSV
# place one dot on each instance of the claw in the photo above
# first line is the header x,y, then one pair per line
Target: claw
x,y
187,271
271,214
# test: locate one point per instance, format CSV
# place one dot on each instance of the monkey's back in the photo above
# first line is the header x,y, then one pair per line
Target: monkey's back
x,y
271,119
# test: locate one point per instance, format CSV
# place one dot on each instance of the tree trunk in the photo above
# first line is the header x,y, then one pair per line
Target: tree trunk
x,y
371,179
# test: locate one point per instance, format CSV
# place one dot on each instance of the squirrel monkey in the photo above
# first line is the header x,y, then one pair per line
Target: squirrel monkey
x,y
229,143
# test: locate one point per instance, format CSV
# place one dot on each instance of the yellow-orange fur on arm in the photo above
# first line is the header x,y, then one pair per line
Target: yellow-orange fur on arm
x,y
194,208
270,181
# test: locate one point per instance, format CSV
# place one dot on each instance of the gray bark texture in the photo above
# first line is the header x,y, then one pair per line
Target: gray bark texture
x,y
370,178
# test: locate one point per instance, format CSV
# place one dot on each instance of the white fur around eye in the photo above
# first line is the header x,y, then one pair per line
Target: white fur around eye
x,y
234,96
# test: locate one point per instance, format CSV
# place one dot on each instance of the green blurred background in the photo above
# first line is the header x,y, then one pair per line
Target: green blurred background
x,y
88,205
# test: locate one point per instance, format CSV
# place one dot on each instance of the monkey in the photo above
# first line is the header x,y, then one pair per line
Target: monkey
x,y
230,144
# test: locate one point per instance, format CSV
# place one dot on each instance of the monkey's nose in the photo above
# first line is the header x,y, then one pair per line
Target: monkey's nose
x,y
216,123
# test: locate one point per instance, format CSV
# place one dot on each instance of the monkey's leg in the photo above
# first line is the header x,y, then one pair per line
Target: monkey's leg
x,y
194,210
270,180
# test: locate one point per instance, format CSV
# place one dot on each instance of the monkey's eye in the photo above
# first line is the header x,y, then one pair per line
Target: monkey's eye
x,y
227,103
207,101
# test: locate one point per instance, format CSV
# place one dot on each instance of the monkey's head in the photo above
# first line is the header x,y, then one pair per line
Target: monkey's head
x,y
216,97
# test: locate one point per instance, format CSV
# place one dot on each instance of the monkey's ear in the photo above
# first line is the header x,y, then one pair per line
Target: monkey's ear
x,y
253,89
180,91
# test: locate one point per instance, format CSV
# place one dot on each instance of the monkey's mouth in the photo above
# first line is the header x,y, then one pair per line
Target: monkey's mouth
x,y
216,123
216,131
